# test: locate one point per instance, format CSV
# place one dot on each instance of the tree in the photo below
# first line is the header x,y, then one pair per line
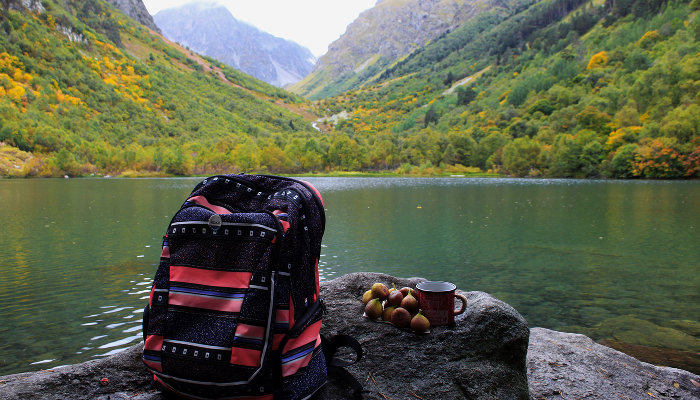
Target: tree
x,y
520,156
488,146
431,116
565,156
463,148
346,154
659,158
622,163
465,95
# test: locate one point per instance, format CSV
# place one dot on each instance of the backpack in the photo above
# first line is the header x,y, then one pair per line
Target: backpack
x,y
235,308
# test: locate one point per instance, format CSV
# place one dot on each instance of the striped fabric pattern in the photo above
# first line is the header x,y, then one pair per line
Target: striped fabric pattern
x,y
237,274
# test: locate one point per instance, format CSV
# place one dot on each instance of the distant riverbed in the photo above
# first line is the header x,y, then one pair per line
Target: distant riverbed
x,y
614,260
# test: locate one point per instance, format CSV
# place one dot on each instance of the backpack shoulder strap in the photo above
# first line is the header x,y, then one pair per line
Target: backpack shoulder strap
x,y
336,366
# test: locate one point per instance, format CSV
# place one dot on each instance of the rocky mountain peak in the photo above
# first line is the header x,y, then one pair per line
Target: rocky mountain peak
x,y
379,36
211,29
136,10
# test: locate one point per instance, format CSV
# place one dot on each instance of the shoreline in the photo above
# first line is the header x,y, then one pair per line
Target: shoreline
x,y
339,174
489,353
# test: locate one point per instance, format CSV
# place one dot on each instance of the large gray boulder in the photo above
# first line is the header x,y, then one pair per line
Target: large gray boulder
x,y
571,366
481,357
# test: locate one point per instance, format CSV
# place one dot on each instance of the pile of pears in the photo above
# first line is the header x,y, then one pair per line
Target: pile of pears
x,y
400,307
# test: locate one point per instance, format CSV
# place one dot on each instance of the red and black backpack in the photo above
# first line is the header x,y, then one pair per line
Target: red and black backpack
x,y
235,308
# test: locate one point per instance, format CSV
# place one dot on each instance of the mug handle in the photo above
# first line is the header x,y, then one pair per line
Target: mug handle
x,y
464,304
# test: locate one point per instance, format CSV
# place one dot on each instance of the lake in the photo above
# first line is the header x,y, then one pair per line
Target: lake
x,y
615,260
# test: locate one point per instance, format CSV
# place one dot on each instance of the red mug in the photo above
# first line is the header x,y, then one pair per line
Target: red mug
x,y
437,300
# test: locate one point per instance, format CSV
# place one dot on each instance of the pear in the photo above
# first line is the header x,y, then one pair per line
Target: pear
x,y
374,309
410,303
367,297
386,315
401,318
380,291
420,323
394,299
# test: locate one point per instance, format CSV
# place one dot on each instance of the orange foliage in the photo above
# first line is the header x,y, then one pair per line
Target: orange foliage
x,y
598,60
657,159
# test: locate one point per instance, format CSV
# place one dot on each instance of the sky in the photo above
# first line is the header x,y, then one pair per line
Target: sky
x,y
313,24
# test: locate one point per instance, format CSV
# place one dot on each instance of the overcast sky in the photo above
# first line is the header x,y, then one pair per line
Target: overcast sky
x,y
313,24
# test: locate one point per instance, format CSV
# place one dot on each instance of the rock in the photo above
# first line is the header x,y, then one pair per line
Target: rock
x,y
482,357
137,11
571,366
125,371
210,29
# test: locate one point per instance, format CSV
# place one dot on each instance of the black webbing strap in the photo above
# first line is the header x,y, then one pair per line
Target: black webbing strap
x,y
336,366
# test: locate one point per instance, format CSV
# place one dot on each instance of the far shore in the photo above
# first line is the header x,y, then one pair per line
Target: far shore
x,y
337,174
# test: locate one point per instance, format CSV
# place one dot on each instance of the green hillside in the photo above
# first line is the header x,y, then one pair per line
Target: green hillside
x,y
86,90
389,31
563,88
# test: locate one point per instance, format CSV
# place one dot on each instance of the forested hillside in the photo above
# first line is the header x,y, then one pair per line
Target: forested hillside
x,y
381,35
564,88
85,89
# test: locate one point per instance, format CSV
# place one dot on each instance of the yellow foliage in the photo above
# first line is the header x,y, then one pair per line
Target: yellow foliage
x,y
51,22
107,63
2,91
598,60
621,136
16,93
649,38
66,98
503,97
110,80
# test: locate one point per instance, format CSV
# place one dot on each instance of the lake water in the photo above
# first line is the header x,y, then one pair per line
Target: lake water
x,y
614,260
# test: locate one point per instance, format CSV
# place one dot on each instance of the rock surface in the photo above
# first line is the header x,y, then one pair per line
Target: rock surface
x,y
570,366
482,357
136,10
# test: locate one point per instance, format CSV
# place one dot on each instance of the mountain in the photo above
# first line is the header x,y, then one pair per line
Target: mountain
x,y
542,88
86,90
381,35
136,10
211,30
553,88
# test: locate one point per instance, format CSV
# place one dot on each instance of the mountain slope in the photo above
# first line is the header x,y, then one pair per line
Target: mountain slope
x,y
136,10
211,30
564,88
84,89
380,36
